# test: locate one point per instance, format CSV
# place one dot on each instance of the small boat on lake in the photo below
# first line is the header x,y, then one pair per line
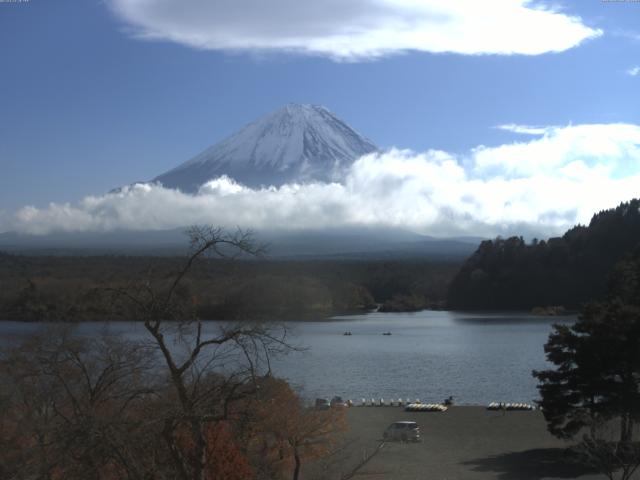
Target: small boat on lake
x,y
387,333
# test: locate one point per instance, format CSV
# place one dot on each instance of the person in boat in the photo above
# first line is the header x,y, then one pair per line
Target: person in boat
x,y
448,401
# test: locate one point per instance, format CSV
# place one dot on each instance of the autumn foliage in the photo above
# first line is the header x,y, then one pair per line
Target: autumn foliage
x,y
76,409
165,408
288,433
224,459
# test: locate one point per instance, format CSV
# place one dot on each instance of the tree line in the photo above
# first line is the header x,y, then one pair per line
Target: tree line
x,y
568,271
46,288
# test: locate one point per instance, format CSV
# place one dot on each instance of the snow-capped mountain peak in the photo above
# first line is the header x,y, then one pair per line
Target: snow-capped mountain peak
x,y
296,143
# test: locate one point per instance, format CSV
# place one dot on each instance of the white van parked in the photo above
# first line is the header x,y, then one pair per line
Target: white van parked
x,y
404,431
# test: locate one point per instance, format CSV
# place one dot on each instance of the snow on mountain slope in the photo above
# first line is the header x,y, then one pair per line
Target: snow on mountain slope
x,y
297,143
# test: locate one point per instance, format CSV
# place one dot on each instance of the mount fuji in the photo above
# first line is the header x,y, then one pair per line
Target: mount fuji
x,y
296,143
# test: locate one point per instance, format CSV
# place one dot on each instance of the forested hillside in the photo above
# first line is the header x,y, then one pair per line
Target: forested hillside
x,y
77,288
567,271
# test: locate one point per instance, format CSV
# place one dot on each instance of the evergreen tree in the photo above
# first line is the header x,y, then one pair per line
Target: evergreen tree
x,y
595,387
597,371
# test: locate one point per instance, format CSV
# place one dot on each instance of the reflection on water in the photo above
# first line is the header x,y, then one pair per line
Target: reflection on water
x,y
476,357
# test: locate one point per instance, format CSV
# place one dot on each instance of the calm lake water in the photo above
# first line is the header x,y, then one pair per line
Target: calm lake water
x,y
476,357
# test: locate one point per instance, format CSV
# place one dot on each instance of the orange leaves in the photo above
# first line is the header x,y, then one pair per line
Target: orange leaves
x,y
288,432
223,457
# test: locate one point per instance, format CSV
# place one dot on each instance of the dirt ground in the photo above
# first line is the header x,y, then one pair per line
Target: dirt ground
x,y
462,443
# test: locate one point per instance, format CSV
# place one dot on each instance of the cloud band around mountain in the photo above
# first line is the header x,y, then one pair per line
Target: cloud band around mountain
x,y
356,29
540,186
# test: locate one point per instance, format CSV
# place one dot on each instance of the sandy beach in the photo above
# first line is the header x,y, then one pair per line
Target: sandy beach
x,y
463,443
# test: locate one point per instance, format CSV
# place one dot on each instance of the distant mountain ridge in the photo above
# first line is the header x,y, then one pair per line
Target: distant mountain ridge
x,y
508,274
296,143
346,243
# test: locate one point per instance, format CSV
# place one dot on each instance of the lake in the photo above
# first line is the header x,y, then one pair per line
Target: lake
x,y
476,357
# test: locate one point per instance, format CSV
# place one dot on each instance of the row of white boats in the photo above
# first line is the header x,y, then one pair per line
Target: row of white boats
x,y
418,406
510,406
426,407
391,403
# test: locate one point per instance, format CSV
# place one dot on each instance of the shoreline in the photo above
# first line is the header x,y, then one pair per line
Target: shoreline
x,y
336,318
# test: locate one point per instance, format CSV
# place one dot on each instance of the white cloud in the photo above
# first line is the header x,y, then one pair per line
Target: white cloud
x,y
634,71
629,34
614,146
356,29
523,129
544,185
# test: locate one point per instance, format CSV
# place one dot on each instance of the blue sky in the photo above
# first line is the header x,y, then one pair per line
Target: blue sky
x,y
86,104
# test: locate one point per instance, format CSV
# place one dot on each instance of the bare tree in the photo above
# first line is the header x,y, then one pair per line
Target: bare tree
x,y
76,408
176,405
238,352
